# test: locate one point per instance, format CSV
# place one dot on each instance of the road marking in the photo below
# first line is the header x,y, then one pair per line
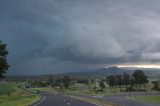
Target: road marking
x,y
68,104
84,100
92,103
40,101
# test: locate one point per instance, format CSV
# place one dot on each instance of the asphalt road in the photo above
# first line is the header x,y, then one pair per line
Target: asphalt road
x,y
61,100
121,100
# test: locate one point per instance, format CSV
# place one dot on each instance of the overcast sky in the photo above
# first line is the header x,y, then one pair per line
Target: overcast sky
x,y
54,36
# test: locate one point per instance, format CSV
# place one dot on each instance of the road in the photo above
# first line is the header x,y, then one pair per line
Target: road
x,y
53,99
121,100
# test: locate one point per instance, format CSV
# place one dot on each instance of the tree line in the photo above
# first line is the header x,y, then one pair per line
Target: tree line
x,y
127,80
138,77
61,82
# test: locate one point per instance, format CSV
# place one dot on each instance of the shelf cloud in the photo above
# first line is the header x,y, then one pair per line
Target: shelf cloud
x,y
75,35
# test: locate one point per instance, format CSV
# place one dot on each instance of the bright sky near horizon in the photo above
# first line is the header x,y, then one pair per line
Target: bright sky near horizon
x,y
139,66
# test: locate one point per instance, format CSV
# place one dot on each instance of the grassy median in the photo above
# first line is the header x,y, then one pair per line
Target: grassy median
x,y
149,99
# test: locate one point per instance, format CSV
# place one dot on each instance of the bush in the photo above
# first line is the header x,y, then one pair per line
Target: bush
x,y
130,88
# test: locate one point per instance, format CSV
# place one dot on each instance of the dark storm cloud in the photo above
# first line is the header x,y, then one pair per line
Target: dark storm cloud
x,y
108,31
51,36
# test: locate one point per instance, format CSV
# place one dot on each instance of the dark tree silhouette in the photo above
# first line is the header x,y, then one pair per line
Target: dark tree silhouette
x,y
3,59
139,77
111,80
102,85
66,82
156,85
119,80
58,82
126,79
51,81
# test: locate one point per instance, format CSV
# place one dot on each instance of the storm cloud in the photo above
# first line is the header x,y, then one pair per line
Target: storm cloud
x,y
53,36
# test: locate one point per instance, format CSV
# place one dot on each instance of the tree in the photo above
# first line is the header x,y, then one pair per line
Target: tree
x,y
83,81
102,85
156,85
111,80
66,82
139,77
119,80
3,59
58,82
51,81
126,79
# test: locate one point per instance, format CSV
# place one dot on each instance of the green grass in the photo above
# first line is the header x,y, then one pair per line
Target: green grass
x,y
93,90
84,89
151,99
12,95
48,89
18,100
7,88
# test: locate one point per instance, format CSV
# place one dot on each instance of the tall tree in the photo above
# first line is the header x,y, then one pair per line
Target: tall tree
x,y
156,85
126,79
119,80
3,59
66,82
51,81
111,80
102,85
139,77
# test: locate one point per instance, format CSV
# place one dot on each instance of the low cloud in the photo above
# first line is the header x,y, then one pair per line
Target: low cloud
x,y
83,32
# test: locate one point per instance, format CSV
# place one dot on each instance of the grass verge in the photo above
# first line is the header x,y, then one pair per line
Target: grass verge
x,y
48,89
149,99
12,95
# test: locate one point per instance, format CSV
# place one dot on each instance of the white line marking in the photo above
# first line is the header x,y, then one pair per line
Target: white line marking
x,y
68,104
40,101
84,100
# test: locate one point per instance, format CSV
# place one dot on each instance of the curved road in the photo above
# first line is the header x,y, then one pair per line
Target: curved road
x,y
121,100
53,99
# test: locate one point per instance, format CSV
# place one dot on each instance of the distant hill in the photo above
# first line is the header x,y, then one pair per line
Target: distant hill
x,y
153,74
103,72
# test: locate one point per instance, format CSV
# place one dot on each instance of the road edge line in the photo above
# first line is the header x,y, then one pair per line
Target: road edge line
x,y
42,99
83,100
